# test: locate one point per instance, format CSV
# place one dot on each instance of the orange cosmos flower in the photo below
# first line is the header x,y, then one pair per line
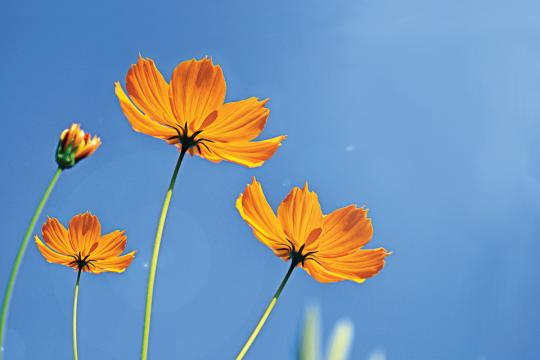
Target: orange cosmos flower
x,y
190,112
328,247
82,247
75,145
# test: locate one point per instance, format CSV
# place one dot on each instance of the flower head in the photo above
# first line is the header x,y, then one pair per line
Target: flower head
x,y
328,247
82,247
190,112
75,145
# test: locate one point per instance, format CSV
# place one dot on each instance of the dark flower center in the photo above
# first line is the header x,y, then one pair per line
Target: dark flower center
x,y
188,141
299,256
81,262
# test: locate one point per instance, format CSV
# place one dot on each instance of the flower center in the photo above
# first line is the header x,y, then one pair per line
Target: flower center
x,y
80,261
188,141
298,256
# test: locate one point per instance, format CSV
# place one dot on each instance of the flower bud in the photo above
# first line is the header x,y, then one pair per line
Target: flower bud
x,y
75,145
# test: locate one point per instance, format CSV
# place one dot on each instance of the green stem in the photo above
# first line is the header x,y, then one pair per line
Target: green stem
x,y
267,312
155,255
18,259
75,301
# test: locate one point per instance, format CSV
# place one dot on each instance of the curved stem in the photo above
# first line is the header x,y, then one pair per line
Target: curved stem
x,y
75,301
18,259
155,255
267,312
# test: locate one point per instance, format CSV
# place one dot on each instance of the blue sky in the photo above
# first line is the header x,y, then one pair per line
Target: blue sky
x,y
424,111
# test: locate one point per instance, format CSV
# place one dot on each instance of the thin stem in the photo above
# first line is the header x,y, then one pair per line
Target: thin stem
x,y
267,312
75,301
155,255
18,259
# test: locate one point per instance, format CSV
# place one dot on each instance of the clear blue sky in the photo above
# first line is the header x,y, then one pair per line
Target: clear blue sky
x,y
424,111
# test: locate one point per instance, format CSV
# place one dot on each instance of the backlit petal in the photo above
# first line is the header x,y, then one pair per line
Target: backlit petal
x,y
110,245
238,121
88,147
301,216
115,264
150,92
344,230
51,255
140,122
197,89
319,273
248,153
256,211
56,236
356,266
84,233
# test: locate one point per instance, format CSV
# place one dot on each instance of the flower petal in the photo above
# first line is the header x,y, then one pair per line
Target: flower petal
x,y
56,236
197,89
248,153
301,216
150,92
84,233
143,123
115,264
256,211
238,121
356,266
344,231
88,147
110,245
319,273
51,255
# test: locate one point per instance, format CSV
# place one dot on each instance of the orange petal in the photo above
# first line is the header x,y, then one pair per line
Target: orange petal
x,y
150,92
197,89
88,148
356,266
115,264
319,273
84,233
110,245
248,153
301,216
51,255
238,121
56,236
140,122
256,211
344,230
